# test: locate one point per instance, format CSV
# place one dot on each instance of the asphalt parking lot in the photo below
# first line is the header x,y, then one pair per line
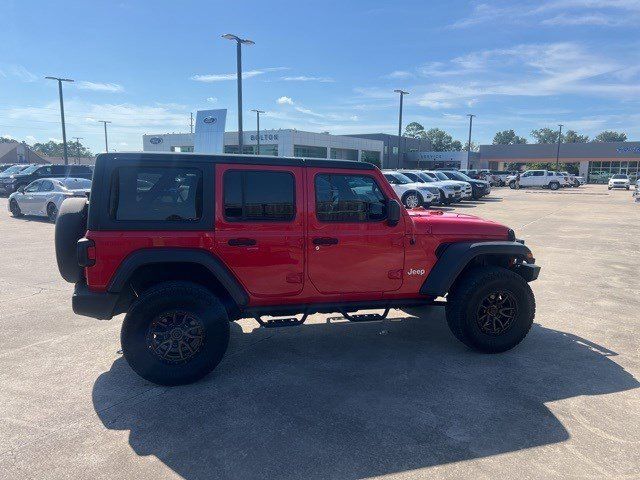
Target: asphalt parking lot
x,y
331,399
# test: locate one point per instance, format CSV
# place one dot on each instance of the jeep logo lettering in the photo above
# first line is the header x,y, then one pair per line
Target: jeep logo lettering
x,y
413,271
209,119
155,140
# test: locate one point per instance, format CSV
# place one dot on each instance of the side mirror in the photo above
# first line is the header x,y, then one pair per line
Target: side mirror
x,y
21,189
394,211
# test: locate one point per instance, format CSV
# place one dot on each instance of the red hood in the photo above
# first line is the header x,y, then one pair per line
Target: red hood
x,y
436,222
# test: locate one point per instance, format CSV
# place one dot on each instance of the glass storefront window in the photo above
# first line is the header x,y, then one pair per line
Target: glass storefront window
x,y
371,156
600,172
344,154
307,151
181,149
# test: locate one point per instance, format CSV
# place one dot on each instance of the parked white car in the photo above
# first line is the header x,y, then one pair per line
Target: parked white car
x,y
410,193
619,180
448,192
467,189
43,197
538,178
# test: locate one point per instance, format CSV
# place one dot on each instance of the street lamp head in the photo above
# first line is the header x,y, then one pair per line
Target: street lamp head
x,y
257,111
59,79
230,36
402,92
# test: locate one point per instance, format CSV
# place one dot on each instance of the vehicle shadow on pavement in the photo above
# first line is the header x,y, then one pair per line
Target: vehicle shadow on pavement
x,y
349,400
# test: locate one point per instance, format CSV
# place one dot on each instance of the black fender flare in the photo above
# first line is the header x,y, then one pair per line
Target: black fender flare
x,y
457,256
148,256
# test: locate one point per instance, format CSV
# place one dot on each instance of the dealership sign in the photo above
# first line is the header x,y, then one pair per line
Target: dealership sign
x,y
155,140
209,135
265,136
210,120
628,149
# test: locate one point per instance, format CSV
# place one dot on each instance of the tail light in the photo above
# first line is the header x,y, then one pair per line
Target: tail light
x,y
86,252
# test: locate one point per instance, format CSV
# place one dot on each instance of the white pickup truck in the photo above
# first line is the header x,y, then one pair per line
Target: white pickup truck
x,y
538,178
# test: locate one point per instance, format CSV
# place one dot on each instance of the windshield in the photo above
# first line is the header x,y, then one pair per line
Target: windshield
x,y
14,169
620,176
426,178
76,183
30,169
400,178
459,176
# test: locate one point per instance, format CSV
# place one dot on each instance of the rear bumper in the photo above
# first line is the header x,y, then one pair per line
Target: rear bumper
x,y
100,305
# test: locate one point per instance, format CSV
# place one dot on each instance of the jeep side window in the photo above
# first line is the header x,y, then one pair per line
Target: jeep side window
x,y
349,198
156,193
259,195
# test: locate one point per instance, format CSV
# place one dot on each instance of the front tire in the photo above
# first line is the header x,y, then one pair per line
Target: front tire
x,y
554,185
15,208
175,333
412,200
490,309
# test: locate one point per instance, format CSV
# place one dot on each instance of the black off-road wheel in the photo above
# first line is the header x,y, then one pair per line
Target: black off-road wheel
x,y
175,333
15,208
490,309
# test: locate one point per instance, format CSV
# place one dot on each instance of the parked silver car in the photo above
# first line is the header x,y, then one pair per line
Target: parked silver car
x,y
43,197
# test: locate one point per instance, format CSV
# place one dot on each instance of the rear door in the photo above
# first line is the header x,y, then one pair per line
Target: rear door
x,y
350,246
259,230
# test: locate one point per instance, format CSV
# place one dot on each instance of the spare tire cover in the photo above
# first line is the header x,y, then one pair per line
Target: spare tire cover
x,y
71,225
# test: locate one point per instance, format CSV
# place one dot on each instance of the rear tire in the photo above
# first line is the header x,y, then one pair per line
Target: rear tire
x,y
175,333
490,309
15,208
554,185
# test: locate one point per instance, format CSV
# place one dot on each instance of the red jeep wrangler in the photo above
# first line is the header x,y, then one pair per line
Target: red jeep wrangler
x,y
184,243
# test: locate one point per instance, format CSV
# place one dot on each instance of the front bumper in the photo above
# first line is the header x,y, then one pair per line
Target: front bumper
x,y
100,305
528,271
619,185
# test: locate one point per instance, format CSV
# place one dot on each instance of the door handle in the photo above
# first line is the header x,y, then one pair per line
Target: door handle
x,y
325,241
242,242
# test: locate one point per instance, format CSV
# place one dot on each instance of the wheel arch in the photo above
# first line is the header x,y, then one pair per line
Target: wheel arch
x,y
454,259
147,267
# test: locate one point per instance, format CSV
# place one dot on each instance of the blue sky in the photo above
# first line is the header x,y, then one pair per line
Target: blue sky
x,y
320,66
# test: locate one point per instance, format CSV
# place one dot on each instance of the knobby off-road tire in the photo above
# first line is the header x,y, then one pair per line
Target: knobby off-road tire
x,y
471,297
175,333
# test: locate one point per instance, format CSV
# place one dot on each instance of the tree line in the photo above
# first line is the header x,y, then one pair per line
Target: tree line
x,y
442,141
55,149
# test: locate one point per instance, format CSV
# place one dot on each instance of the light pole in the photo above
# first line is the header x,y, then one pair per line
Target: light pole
x,y
258,112
558,149
469,142
239,41
402,94
106,142
64,131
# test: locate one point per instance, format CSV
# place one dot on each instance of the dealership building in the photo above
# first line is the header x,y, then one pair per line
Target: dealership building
x,y
280,143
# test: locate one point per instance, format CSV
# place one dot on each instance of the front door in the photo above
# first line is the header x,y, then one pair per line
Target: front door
x,y
350,246
259,231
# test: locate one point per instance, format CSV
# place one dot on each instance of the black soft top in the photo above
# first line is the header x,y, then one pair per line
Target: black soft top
x,y
176,158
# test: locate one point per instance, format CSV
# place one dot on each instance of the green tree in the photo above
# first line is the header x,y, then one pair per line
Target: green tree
x,y
574,137
474,147
545,135
610,136
55,149
7,140
414,130
508,137
441,141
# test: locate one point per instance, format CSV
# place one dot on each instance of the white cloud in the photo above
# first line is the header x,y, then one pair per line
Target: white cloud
x,y
308,111
100,87
7,136
212,99
284,101
19,72
304,78
554,13
221,77
399,74
30,139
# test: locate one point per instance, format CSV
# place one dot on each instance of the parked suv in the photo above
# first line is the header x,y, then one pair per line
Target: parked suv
x,y
480,188
619,180
412,194
184,243
447,192
11,183
538,178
